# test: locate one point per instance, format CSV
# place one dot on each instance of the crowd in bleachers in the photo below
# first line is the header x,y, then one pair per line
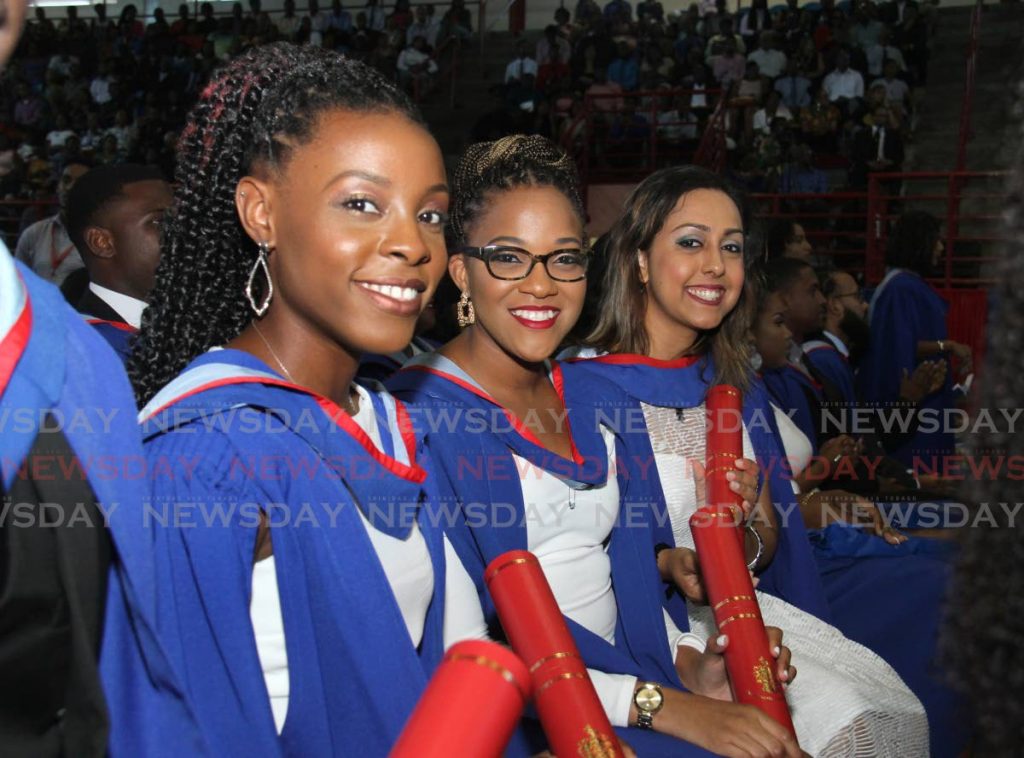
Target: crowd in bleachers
x,y
104,90
817,95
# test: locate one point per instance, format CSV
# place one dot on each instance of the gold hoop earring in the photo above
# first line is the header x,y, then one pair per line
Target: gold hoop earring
x,y
464,311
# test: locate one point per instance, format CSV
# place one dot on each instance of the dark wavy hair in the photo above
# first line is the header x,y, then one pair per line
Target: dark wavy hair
x,y
621,328
519,160
983,644
255,111
912,241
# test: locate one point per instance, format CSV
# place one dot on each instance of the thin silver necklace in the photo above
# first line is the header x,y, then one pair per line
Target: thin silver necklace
x,y
351,408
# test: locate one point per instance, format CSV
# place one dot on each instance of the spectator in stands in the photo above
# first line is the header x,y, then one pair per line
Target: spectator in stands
x,y
772,109
207,23
180,25
717,43
288,23
521,65
456,22
650,10
786,239
794,87
108,151
911,37
618,11
876,148
881,53
587,12
57,137
401,15
755,21
729,66
866,30
29,109
423,26
800,175
45,246
769,59
606,93
416,69
819,123
844,85
892,12
897,91
624,70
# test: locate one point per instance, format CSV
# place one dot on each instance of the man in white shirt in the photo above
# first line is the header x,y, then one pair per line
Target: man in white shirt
x,y
45,246
114,215
844,85
897,91
771,61
416,65
99,87
522,65
882,52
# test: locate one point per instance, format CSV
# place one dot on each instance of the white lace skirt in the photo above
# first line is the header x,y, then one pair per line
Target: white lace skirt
x,y
845,701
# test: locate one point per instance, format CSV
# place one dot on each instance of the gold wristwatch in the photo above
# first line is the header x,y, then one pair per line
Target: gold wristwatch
x,y
648,700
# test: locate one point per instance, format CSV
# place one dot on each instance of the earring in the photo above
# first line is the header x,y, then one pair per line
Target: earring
x,y
261,262
464,311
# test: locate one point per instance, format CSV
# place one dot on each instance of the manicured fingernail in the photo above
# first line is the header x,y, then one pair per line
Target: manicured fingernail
x,y
785,675
776,650
723,640
730,475
735,486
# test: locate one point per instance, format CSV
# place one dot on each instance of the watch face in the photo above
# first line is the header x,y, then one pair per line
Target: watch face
x,y
648,699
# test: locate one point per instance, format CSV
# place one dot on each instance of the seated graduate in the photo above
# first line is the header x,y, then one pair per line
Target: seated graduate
x,y
308,227
82,669
908,326
676,320
113,215
815,384
858,554
525,463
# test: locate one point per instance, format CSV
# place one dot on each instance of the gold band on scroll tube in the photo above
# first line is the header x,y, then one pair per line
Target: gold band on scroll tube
x,y
729,456
715,469
715,390
559,678
734,598
486,662
724,622
514,562
553,657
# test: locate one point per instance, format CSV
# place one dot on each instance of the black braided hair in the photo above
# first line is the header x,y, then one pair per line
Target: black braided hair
x,y
254,112
519,160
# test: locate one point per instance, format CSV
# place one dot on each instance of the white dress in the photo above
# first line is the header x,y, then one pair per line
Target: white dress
x,y
845,701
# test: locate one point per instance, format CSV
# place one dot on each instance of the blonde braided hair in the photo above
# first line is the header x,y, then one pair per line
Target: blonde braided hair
x,y
520,160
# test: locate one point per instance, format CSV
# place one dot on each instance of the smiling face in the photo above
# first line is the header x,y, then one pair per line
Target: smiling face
x,y
772,338
528,318
354,221
693,271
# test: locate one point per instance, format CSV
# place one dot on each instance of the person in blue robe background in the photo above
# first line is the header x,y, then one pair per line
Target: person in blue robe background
x,y
490,404
908,325
307,229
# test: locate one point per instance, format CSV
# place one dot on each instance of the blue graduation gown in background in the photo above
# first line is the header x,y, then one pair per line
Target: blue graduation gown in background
x,y
118,336
68,370
834,366
228,437
904,311
791,390
472,440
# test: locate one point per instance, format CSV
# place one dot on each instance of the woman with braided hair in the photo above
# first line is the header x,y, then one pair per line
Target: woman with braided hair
x,y
529,463
302,594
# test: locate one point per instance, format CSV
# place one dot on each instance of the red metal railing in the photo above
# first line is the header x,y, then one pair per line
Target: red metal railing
x,y
967,104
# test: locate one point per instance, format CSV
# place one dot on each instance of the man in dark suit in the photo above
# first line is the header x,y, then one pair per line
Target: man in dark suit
x,y
877,148
114,218
892,12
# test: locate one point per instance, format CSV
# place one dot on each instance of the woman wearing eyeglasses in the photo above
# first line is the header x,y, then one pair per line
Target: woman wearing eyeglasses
x,y
524,462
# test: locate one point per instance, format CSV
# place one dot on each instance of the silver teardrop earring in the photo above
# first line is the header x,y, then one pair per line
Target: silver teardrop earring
x,y
464,311
261,262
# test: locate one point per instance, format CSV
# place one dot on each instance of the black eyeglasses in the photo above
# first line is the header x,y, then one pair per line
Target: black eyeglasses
x,y
513,263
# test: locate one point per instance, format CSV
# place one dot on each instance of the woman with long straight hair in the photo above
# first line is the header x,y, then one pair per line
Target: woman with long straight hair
x,y
677,320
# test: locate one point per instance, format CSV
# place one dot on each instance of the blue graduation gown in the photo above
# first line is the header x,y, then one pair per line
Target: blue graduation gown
x,y
226,438
904,311
66,369
834,366
117,334
791,390
840,574
472,440
683,383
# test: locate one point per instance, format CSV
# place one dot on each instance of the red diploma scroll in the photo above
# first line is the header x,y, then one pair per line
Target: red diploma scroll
x,y
471,705
573,718
748,659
